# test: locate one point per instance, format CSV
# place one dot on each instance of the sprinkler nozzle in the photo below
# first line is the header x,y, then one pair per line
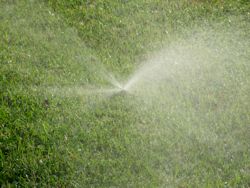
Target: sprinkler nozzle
x,y
123,90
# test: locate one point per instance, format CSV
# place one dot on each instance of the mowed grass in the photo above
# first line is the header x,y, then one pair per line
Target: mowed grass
x,y
198,137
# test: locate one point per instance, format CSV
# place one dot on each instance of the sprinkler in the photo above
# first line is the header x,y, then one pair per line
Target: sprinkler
x,y
123,90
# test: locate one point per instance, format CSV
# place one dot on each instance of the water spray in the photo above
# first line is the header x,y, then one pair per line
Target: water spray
x,y
123,90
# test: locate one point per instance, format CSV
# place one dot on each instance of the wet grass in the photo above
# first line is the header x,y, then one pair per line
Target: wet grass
x,y
196,136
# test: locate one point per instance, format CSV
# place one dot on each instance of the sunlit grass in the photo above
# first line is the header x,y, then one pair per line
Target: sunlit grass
x,y
194,130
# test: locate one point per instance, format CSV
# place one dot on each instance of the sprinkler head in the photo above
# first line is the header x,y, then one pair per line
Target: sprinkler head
x,y
123,90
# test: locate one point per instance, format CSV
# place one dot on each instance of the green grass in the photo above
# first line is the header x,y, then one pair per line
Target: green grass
x,y
197,137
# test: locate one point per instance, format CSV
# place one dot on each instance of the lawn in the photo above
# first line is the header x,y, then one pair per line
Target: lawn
x,y
185,122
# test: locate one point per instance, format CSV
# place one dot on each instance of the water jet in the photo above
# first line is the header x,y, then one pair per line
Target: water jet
x,y
123,90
